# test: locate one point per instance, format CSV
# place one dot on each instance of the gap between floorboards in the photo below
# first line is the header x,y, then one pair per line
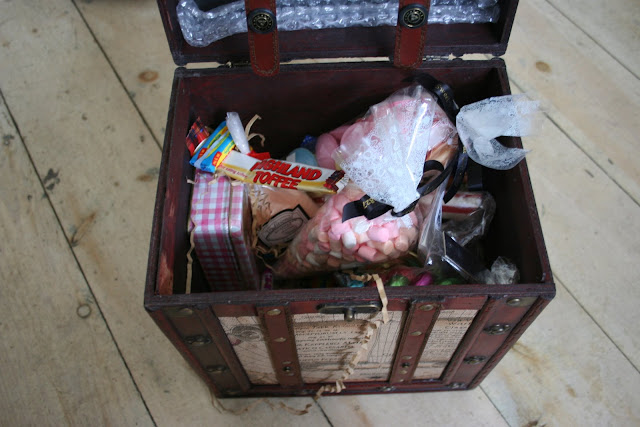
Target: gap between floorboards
x,y
73,254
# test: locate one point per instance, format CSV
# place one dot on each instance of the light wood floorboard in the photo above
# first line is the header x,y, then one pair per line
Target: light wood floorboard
x,y
88,84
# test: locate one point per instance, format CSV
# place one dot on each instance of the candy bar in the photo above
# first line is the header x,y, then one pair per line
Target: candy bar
x,y
282,174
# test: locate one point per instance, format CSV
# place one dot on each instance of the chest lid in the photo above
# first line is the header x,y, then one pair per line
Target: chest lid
x,y
437,39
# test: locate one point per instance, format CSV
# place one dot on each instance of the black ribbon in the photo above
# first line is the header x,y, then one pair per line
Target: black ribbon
x,y
441,90
459,169
371,208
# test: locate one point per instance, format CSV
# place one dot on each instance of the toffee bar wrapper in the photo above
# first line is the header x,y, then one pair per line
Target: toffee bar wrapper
x,y
282,174
221,221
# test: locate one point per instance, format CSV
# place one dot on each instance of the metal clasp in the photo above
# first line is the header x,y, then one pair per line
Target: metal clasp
x,y
350,310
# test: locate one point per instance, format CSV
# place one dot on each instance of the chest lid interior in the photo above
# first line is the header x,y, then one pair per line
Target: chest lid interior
x,y
441,39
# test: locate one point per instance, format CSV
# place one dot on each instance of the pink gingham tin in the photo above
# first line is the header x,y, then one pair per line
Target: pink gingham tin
x,y
221,221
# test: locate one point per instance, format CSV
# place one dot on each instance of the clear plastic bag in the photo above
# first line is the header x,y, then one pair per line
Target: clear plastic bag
x,y
327,243
383,154
480,123
201,28
473,226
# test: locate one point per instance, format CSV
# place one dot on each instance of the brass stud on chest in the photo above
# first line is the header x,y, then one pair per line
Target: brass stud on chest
x,y
261,21
413,16
497,329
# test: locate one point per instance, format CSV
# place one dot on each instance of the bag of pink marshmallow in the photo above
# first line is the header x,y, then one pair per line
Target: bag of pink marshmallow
x,y
384,154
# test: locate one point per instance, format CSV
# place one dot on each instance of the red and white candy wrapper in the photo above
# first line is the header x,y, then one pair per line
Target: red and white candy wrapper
x,y
220,221
326,243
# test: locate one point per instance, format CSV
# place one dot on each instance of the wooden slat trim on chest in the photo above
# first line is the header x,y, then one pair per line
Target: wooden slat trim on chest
x,y
420,321
281,342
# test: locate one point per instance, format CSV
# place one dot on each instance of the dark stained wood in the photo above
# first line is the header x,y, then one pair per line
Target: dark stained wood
x,y
156,227
517,332
167,327
311,99
203,350
443,40
410,347
281,342
176,197
493,347
241,303
217,334
469,339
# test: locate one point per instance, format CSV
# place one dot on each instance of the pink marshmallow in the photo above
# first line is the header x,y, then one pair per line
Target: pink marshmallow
x,y
394,254
367,252
401,243
362,238
325,224
340,227
333,237
424,279
392,227
378,234
323,237
324,246
387,247
380,257
410,233
335,216
384,248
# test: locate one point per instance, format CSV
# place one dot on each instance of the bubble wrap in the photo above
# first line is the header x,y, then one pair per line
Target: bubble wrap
x,y
480,123
201,28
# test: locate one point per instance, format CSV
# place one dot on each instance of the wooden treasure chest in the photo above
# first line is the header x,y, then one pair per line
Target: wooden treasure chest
x,y
295,339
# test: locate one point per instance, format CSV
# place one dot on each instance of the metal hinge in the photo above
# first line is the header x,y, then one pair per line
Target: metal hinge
x,y
237,64
438,58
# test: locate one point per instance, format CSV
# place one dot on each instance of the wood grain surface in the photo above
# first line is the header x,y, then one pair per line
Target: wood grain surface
x,y
87,83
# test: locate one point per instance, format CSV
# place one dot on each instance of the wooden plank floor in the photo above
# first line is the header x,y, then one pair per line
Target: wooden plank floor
x,y
84,91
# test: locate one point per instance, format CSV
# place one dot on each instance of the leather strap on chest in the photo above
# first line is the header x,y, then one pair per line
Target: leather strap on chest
x,y
411,33
263,36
